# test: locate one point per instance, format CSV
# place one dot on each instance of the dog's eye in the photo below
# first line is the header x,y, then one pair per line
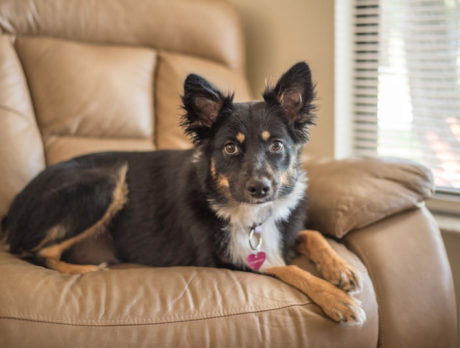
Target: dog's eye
x,y
276,146
231,149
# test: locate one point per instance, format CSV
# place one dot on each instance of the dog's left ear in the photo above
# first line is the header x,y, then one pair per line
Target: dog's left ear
x,y
294,92
203,104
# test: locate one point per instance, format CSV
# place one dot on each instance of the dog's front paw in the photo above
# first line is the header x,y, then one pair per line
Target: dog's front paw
x,y
336,303
341,274
341,307
333,267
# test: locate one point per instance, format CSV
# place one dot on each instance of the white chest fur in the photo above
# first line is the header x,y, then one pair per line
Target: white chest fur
x,y
242,216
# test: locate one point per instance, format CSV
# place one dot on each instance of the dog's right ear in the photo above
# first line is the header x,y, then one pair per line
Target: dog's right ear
x,y
203,104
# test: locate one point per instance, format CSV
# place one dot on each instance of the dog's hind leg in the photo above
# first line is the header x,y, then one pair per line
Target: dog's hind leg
x,y
333,268
337,304
51,255
52,259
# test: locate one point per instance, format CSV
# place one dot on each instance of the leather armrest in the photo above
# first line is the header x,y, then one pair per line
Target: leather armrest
x,y
408,265
353,193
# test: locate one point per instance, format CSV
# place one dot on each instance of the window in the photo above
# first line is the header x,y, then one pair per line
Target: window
x,y
405,78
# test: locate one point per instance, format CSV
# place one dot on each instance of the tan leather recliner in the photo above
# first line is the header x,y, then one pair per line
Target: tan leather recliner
x,y
79,76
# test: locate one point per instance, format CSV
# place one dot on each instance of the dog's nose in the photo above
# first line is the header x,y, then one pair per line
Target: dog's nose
x,y
258,188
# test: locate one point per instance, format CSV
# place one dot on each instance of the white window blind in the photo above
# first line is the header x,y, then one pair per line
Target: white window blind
x,y
406,83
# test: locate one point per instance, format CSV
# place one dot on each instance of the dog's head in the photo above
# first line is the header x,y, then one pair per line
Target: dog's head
x,y
249,151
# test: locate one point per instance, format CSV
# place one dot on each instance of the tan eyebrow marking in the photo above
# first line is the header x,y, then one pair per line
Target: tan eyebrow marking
x,y
265,135
240,137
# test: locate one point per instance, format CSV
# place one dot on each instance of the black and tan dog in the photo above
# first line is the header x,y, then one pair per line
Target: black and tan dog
x,y
236,200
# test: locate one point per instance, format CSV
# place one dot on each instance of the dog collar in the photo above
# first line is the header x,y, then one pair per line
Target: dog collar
x,y
256,259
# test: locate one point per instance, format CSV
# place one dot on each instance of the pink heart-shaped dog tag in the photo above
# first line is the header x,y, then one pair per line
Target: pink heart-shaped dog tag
x,y
255,261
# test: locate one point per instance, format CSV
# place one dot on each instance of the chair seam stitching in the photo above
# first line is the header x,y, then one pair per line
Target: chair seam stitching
x,y
256,311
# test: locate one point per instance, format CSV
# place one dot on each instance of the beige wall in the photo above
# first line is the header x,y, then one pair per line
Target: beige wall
x,y
281,33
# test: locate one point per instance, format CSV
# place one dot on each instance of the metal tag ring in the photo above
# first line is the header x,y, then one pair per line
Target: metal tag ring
x,y
252,232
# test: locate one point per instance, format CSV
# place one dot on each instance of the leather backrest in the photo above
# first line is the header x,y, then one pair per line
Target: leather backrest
x,y
206,28
81,76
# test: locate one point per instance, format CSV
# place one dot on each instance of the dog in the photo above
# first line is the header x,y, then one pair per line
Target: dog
x,y
236,200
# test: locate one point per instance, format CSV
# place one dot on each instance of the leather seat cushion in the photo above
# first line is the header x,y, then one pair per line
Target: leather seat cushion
x,y
130,304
